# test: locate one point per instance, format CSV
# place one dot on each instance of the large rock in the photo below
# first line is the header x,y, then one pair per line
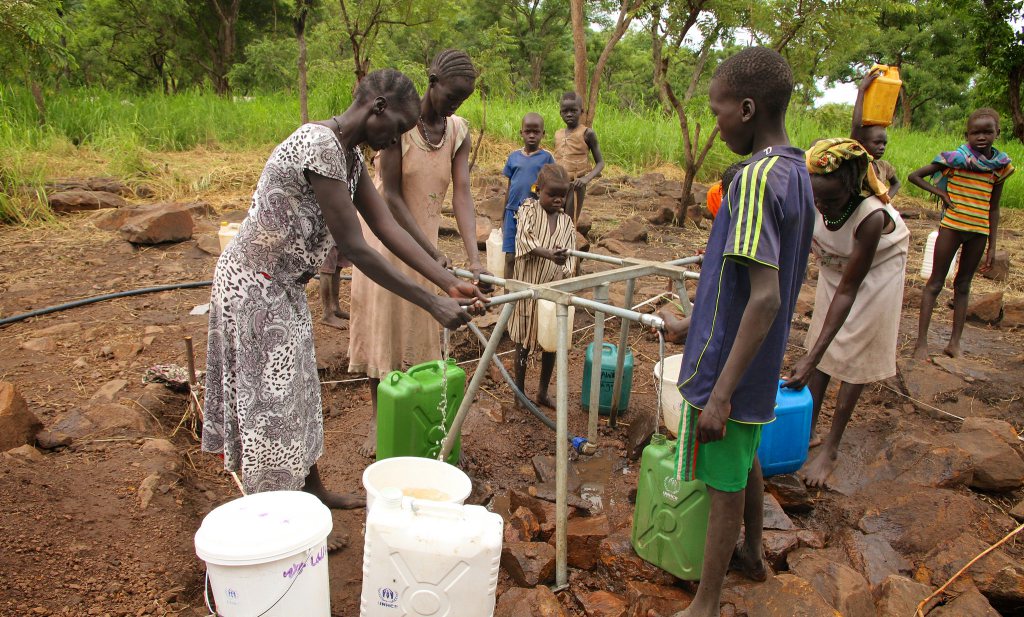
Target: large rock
x,y
522,526
42,344
59,330
1013,313
158,225
968,604
585,223
1000,270
915,519
529,563
536,602
790,492
603,604
784,595
104,184
483,230
778,545
18,425
915,458
840,585
997,466
986,308
616,247
77,200
997,575
774,516
109,391
1018,511
107,418
493,208
633,229
874,557
622,563
584,540
899,596
1000,429
642,597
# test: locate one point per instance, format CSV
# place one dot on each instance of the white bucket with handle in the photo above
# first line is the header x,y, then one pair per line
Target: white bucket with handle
x,y
266,555
419,478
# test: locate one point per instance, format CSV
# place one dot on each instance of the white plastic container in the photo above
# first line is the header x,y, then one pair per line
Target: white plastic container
x,y
547,325
266,554
671,399
413,474
227,233
495,256
429,559
929,256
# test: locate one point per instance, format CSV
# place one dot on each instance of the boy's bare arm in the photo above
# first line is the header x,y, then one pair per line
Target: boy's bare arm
x,y
762,307
590,137
894,183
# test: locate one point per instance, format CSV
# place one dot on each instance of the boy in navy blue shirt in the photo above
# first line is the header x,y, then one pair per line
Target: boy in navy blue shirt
x,y
749,282
521,169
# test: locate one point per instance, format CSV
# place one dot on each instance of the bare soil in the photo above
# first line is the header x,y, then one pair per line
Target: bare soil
x,y
75,541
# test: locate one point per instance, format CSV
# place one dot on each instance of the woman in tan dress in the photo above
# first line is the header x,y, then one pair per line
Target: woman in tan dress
x,y
387,333
861,245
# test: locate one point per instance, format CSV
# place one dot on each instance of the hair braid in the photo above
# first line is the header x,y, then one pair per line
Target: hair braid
x,y
452,63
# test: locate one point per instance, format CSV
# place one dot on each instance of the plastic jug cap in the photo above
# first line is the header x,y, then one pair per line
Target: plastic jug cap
x,y
391,497
223,223
658,439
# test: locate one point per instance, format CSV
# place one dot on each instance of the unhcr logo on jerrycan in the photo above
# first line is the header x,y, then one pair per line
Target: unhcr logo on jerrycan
x,y
388,597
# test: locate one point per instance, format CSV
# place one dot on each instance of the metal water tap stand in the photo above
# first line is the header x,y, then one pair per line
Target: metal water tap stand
x,y
562,294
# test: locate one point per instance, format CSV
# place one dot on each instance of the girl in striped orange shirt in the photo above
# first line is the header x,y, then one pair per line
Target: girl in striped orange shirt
x,y
969,184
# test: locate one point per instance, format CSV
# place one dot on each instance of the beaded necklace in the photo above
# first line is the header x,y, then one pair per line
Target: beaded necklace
x,y
850,207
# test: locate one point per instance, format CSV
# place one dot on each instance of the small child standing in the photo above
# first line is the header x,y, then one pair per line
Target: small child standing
x,y
521,169
544,236
720,188
330,283
574,146
969,183
874,138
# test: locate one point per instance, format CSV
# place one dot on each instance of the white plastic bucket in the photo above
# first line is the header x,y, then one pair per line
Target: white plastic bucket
x,y
495,256
929,258
409,473
266,554
227,233
547,325
671,399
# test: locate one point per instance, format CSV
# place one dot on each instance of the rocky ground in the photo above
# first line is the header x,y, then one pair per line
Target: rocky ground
x,y
103,483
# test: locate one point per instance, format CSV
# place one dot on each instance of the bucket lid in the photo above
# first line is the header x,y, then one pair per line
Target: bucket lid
x,y
262,527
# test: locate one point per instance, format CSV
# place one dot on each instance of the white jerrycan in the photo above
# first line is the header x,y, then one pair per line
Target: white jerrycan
x,y
426,558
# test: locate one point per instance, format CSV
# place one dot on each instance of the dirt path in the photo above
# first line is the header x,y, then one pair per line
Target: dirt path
x,y
75,539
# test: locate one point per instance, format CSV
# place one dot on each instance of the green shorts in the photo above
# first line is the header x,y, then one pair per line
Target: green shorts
x,y
725,464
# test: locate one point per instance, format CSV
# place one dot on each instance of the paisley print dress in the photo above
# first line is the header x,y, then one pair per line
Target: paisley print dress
x,y
263,408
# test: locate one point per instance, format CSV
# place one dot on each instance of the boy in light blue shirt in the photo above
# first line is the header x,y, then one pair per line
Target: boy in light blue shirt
x,y
521,169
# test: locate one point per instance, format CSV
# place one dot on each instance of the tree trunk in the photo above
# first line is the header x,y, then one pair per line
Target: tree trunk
x,y
228,18
908,107
300,36
1014,79
579,44
536,64
37,96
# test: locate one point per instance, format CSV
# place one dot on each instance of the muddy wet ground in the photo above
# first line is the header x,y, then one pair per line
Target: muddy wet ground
x,y
75,539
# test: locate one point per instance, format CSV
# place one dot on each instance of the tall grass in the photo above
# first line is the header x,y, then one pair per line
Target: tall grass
x,y
127,128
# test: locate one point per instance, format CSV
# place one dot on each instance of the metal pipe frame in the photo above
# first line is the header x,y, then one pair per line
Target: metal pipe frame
x,y
562,294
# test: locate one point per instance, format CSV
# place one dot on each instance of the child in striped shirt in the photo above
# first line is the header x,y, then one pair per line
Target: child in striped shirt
x,y
969,183
544,236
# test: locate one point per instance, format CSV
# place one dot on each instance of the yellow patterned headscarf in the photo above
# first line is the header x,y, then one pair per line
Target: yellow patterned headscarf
x,y
826,155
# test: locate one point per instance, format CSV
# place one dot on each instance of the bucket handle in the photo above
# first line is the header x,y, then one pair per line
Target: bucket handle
x,y
213,611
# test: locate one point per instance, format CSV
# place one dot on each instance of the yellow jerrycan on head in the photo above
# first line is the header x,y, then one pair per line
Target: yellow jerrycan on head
x,y
881,96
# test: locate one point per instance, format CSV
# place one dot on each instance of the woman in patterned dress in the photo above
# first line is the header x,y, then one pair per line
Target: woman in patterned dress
x,y
414,175
263,407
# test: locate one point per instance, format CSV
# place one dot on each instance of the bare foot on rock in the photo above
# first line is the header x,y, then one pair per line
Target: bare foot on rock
x,y
952,350
921,351
340,314
817,472
749,565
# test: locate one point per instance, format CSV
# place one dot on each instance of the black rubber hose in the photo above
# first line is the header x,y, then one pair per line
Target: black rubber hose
x,y
512,383
119,294
84,301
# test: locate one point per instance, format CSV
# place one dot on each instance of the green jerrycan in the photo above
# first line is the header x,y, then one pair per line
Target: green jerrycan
x,y
408,419
670,521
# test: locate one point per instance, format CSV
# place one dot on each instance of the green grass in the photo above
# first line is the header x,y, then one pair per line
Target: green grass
x,y
126,128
